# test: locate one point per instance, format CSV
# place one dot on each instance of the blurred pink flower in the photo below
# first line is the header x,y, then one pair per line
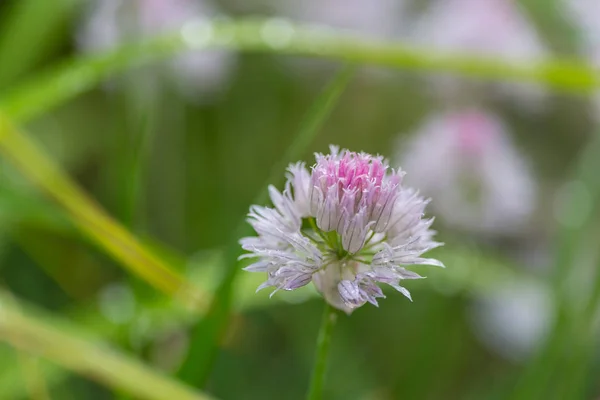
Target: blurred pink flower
x,y
490,28
467,162
114,22
379,18
364,227
585,14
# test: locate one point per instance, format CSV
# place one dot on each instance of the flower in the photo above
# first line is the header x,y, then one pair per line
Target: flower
x,y
114,22
346,226
490,28
585,15
377,17
513,318
466,160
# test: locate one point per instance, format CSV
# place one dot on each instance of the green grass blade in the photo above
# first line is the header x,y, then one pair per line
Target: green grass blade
x,y
89,218
32,334
276,36
35,25
204,344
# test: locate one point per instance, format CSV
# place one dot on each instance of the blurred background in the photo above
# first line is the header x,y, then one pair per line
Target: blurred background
x,y
178,150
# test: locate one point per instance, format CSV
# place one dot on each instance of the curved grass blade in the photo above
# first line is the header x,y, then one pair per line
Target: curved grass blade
x,y
28,100
204,343
89,218
37,25
33,335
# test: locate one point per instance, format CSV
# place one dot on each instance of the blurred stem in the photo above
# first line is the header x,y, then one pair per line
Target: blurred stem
x,y
282,37
141,111
315,391
92,220
34,336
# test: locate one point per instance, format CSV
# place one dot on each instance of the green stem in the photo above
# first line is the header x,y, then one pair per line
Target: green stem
x,y
319,232
36,96
324,339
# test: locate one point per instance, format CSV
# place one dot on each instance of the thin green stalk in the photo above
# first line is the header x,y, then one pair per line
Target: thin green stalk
x,y
315,391
140,117
28,100
205,337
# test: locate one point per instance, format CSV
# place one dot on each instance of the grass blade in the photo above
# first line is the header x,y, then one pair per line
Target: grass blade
x,y
30,334
39,26
203,347
89,218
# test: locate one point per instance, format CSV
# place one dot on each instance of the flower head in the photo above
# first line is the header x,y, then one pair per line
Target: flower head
x,y
364,228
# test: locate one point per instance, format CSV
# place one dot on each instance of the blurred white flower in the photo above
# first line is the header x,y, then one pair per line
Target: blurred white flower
x,y
585,15
467,162
379,18
110,23
364,228
489,28
514,319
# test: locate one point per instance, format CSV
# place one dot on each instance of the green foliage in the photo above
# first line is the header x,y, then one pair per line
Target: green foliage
x,y
39,228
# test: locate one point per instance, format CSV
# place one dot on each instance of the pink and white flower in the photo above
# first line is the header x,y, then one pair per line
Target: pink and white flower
x,y
466,160
489,28
364,228
586,16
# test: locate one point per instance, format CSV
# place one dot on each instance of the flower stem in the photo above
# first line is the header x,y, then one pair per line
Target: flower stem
x,y
324,339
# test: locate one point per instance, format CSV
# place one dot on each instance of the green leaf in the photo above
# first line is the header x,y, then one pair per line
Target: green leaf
x,y
35,25
204,344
